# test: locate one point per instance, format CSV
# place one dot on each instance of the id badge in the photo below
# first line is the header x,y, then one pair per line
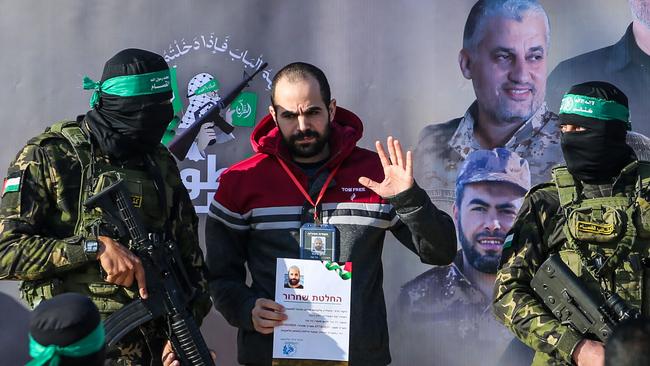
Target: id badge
x,y
318,241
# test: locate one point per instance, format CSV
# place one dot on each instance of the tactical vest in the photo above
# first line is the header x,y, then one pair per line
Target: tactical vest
x,y
607,237
153,204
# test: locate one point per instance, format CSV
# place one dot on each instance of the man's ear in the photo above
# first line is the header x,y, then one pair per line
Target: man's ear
x,y
464,61
272,113
455,212
332,109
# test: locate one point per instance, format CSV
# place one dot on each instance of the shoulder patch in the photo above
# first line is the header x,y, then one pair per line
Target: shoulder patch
x,y
12,183
508,242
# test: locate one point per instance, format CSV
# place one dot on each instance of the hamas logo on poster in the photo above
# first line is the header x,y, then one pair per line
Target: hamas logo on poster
x,y
245,107
567,104
198,89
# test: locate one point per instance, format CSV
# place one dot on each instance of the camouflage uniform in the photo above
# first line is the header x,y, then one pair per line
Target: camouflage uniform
x,y
42,231
539,232
442,306
442,148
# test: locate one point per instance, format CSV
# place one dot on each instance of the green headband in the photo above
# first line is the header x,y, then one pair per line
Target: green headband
x,y
129,85
595,108
210,86
51,355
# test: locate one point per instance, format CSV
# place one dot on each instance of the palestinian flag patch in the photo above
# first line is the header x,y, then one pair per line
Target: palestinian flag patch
x,y
508,241
11,183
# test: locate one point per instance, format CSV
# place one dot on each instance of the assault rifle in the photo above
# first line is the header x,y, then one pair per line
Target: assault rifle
x,y
592,313
167,281
182,143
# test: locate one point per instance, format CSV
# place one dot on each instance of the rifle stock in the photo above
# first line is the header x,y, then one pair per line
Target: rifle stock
x,y
183,141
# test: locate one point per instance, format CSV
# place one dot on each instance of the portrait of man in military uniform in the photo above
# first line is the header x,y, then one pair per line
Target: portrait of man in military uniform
x,y
504,52
447,307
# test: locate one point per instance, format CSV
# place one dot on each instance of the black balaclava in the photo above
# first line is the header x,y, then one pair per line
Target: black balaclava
x,y
600,153
127,126
64,320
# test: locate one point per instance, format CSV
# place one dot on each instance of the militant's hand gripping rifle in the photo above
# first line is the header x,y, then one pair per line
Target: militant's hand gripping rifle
x,y
591,313
182,143
167,282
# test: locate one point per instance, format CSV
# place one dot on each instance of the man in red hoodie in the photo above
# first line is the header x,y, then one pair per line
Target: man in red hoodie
x,y
307,168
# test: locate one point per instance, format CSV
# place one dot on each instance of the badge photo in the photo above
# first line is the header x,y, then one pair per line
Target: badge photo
x,y
318,242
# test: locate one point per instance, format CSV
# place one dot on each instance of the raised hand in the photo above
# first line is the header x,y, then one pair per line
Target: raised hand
x,y
398,171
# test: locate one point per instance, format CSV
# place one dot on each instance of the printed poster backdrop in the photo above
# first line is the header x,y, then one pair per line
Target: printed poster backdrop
x,y
392,63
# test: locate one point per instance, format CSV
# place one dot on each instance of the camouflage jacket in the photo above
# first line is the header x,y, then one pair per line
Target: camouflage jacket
x,y
38,218
442,148
444,310
537,233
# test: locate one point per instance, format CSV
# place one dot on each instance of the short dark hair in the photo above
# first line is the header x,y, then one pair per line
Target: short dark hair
x,y
629,343
299,71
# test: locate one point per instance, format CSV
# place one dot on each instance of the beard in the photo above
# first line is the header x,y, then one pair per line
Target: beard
x,y
294,281
507,114
519,112
486,263
307,150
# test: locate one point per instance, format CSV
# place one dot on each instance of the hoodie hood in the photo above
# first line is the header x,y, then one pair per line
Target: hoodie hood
x,y
345,130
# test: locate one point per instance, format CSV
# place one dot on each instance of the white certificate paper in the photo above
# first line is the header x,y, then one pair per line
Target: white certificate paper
x,y
318,310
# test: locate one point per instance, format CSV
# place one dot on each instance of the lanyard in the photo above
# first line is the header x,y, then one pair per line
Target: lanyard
x,y
304,192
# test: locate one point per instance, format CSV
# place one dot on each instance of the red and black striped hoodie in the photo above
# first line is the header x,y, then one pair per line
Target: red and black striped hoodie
x,y
256,214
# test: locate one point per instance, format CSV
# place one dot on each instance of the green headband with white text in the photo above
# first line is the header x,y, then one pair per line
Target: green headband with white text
x,y
210,86
130,85
597,108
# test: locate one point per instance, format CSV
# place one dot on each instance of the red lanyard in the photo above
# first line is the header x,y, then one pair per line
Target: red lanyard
x,y
302,189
